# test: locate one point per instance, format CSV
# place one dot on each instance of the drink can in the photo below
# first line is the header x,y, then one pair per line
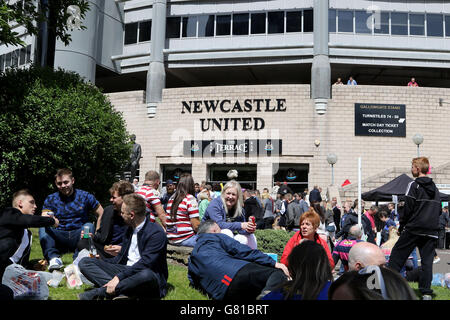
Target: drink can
x,y
251,219
86,232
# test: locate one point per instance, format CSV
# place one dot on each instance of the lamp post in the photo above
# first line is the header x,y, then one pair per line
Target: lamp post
x,y
332,159
418,139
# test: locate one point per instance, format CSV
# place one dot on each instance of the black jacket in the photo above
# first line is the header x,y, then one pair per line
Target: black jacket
x,y
110,218
252,208
314,196
111,225
352,219
337,218
12,225
152,245
422,208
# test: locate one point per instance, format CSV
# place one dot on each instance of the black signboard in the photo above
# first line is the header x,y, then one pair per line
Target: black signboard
x,y
386,120
239,147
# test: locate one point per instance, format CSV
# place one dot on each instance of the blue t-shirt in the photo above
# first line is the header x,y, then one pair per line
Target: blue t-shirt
x,y
72,211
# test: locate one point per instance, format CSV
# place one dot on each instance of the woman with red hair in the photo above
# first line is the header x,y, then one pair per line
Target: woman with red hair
x,y
309,223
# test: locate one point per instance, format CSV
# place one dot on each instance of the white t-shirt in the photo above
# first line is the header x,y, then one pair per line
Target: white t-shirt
x,y
133,252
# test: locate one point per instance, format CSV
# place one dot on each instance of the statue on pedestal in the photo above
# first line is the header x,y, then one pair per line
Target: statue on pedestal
x,y
133,164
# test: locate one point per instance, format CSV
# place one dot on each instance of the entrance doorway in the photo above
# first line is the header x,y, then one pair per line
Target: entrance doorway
x,y
295,174
246,174
173,172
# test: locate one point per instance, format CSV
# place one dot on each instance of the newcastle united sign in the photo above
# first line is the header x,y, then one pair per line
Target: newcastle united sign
x,y
234,108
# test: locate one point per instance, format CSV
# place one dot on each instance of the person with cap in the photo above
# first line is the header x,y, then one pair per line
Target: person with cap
x,y
167,193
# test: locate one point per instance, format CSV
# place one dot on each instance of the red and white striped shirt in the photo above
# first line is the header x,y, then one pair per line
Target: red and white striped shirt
x,y
151,197
181,228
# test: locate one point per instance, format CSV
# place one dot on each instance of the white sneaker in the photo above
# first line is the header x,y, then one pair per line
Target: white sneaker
x,y
55,264
427,297
436,259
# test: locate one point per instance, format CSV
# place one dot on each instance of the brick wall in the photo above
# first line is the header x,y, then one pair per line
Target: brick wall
x,y
162,137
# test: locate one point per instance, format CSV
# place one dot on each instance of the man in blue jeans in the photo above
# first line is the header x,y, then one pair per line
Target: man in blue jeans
x,y
140,268
71,207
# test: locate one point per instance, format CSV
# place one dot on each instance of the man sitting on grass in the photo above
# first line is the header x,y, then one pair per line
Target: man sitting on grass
x,y
72,207
140,268
227,269
15,238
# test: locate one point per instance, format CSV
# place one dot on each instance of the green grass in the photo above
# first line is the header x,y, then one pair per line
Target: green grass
x,y
178,283
440,292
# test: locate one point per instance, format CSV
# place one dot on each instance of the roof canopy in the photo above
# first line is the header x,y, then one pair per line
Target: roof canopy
x,y
395,187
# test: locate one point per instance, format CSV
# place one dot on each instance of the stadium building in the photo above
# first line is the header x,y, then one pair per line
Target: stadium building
x,y
209,86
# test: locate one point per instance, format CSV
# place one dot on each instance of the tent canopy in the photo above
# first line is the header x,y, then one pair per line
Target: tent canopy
x,y
395,187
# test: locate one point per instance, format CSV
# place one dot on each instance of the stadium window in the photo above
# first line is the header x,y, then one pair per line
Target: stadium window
x,y
173,27
240,24
416,24
293,21
275,21
145,31
28,57
258,23
308,21
363,22
435,24
381,23
189,26
23,56
131,30
8,60
447,26
332,20
223,25
15,58
345,21
399,23
206,25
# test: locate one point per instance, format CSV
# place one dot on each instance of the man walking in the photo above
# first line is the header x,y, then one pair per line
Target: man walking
x,y
419,224
314,196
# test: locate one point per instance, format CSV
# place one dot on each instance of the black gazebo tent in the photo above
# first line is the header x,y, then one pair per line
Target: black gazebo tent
x,y
395,187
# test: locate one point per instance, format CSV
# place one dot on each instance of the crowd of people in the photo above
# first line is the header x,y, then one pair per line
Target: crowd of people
x,y
130,238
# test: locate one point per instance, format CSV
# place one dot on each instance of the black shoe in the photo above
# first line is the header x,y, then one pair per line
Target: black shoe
x,y
90,295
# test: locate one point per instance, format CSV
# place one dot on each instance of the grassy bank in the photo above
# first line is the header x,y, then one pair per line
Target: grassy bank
x,y
178,283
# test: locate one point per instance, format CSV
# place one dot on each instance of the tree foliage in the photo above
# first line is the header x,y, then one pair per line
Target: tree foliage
x,y
29,13
53,119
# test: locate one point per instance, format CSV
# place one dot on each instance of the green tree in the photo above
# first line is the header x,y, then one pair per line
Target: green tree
x,y
53,119
27,14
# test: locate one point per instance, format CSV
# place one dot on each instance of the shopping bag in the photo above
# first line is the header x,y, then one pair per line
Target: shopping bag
x,y
26,284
